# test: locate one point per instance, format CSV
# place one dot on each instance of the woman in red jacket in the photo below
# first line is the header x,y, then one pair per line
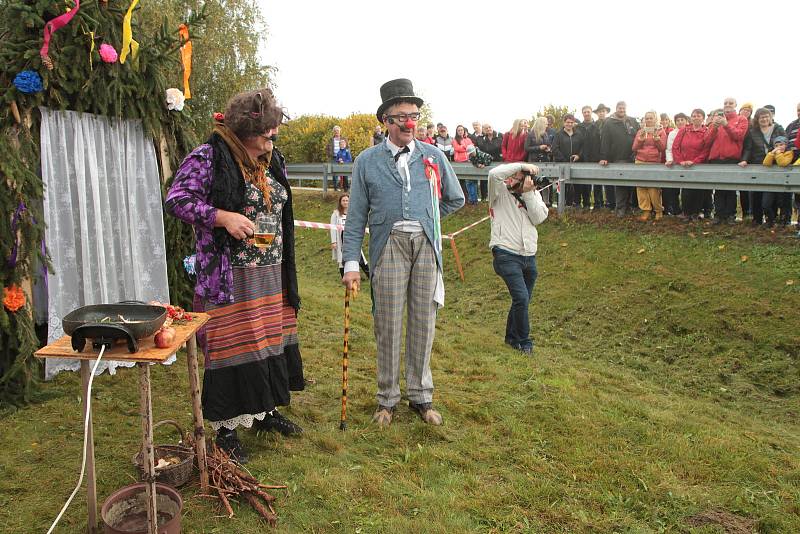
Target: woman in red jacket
x,y
689,148
513,148
649,146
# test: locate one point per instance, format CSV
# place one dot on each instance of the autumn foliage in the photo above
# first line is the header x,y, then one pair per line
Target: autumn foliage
x,y
305,138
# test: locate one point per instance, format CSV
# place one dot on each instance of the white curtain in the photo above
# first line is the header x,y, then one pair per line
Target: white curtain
x,y
102,207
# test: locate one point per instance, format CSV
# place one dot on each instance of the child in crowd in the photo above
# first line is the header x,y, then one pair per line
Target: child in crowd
x,y
770,201
779,155
344,156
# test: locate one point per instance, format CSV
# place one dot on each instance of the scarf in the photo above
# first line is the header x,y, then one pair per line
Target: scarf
x,y
232,166
253,170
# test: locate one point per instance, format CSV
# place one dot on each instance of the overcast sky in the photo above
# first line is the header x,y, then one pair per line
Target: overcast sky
x,y
499,60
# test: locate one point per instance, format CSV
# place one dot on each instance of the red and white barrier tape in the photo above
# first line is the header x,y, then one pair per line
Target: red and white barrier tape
x,y
476,223
325,226
320,226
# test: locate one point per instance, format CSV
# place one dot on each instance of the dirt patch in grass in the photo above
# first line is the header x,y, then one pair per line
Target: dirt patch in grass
x,y
731,523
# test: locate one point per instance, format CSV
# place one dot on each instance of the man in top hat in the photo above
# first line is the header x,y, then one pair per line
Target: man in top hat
x,y
401,188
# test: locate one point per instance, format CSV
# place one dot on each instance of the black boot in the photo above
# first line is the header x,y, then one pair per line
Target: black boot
x,y
228,441
275,422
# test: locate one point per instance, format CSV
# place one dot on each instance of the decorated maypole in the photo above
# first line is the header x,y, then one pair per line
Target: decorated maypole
x,y
85,56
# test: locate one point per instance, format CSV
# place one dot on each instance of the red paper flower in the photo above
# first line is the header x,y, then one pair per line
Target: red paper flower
x,y
13,298
219,117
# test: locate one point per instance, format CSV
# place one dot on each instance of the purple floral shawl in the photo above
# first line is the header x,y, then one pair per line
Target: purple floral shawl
x,y
188,200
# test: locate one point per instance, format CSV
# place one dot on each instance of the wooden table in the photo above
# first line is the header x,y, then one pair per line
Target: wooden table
x,y
148,353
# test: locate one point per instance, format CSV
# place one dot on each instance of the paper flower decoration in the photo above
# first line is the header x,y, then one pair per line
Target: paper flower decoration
x,y
107,53
13,298
175,99
219,117
28,82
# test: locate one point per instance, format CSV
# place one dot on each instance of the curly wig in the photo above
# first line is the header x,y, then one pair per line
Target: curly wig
x,y
252,113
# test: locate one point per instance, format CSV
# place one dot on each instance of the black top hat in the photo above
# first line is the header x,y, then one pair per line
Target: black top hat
x,y
396,91
602,106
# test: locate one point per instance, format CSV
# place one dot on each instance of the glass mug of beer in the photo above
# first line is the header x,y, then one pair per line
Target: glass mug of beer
x,y
266,226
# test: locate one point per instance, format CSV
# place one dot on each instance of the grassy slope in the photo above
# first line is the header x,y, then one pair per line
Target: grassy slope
x,y
665,383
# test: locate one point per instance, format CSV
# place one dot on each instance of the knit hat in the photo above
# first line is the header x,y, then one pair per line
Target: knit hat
x,y
747,105
780,139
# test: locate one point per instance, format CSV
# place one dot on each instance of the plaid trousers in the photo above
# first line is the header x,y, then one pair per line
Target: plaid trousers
x,y
405,275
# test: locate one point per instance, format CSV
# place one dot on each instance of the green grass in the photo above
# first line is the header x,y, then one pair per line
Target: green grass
x,y
665,384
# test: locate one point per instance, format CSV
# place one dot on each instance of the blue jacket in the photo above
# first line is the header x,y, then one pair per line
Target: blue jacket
x,y
344,155
378,198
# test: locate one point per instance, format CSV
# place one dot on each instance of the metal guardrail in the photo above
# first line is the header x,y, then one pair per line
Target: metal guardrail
x,y
704,176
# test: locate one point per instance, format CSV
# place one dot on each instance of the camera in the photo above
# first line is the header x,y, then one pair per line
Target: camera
x,y
538,181
515,186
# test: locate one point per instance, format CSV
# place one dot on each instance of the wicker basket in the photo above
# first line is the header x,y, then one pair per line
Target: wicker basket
x,y
176,474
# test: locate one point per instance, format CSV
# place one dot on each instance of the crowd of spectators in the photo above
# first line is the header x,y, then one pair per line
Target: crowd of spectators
x,y
726,135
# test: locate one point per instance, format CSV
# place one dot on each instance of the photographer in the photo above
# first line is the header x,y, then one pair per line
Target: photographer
x,y
516,207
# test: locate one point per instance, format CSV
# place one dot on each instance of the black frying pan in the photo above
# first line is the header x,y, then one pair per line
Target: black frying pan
x,y
128,320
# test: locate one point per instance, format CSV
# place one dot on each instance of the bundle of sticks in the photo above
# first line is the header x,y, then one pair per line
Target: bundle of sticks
x,y
230,480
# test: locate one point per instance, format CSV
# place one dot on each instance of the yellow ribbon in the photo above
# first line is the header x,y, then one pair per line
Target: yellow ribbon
x,y
186,59
91,50
128,43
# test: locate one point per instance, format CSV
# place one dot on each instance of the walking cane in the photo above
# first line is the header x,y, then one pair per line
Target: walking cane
x,y
348,292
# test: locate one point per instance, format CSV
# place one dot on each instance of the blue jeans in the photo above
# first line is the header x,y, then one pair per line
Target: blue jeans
x,y
519,274
472,191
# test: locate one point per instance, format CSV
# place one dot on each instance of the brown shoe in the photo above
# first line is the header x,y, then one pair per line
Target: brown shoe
x,y
428,414
659,215
644,217
383,416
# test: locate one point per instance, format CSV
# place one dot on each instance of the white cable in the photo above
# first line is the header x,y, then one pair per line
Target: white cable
x,y
88,394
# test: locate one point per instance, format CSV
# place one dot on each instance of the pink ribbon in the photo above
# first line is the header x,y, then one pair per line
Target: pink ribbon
x,y
56,24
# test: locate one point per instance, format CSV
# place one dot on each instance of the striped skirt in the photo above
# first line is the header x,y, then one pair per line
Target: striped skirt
x,y
252,359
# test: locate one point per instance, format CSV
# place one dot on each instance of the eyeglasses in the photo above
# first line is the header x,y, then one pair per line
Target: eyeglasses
x,y
403,117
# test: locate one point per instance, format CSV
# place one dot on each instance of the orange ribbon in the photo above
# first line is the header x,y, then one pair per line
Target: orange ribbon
x,y
186,58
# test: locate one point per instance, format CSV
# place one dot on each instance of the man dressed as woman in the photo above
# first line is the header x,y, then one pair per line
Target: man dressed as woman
x,y
252,359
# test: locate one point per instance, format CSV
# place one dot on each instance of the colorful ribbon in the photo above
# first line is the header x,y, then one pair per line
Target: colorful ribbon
x,y
91,50
186,58
435,180
128,43
53,26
